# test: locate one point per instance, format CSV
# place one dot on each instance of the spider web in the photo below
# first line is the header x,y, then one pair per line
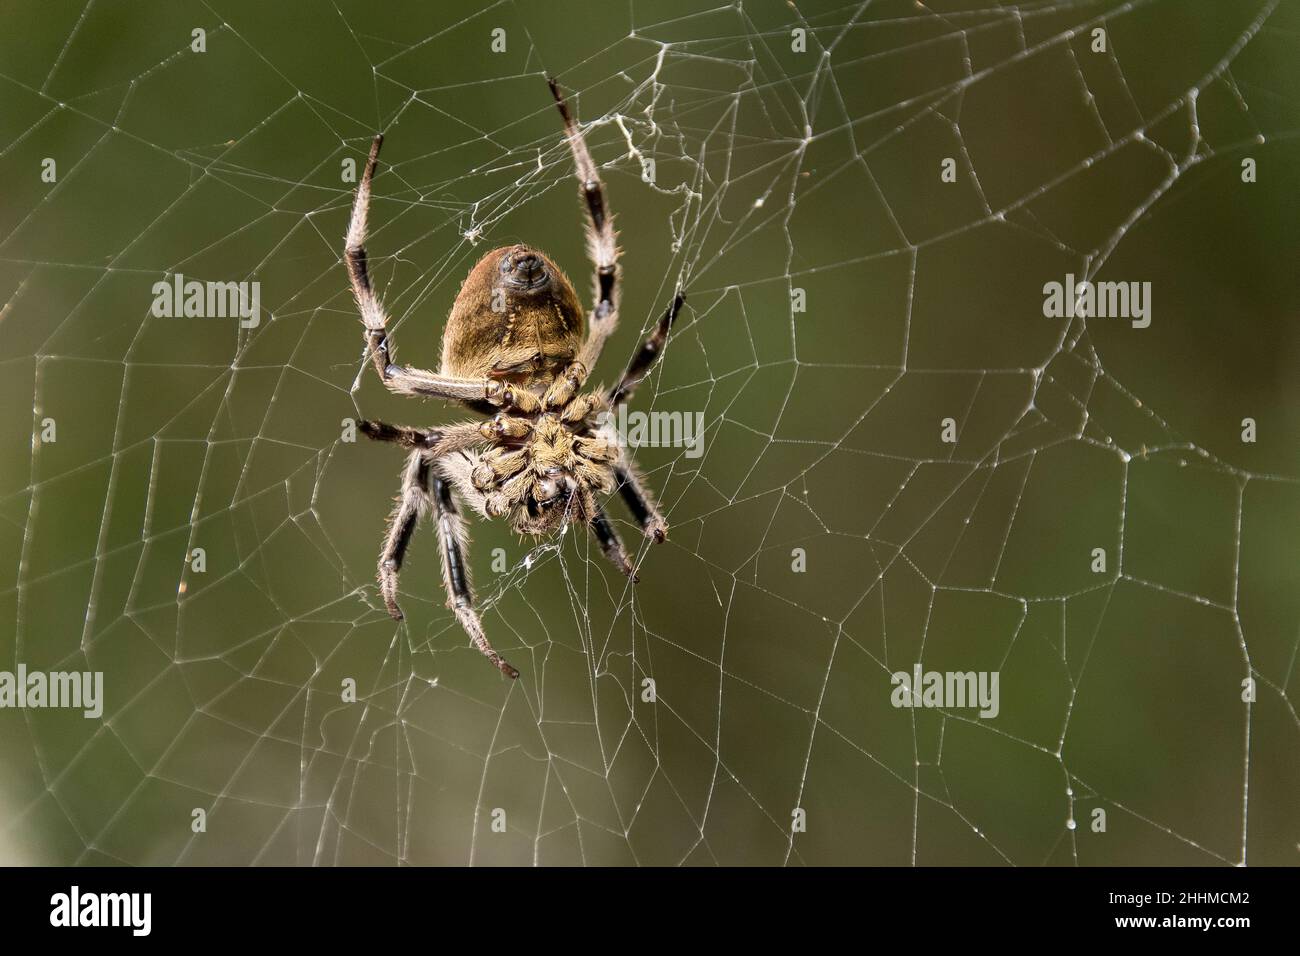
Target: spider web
x,y
827,536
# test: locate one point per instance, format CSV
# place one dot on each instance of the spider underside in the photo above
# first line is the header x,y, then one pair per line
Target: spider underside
x,y
518,347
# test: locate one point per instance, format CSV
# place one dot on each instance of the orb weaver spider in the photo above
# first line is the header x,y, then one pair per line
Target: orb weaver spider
x,y
517,346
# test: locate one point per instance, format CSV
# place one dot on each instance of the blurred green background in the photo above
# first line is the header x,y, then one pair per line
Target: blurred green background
x,y
775,169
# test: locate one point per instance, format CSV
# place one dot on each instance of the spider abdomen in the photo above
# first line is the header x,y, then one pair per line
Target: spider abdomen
x,y
515,318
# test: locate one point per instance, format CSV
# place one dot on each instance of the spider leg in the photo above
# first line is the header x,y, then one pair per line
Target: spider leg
x,y
453,539
647,355
399,434
373,316
436,441
639,501
602,248
413,499
611,545
397,378
479,394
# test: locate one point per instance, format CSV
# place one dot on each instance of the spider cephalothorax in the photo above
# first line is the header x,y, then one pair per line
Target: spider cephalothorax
x,y
552,469
517,346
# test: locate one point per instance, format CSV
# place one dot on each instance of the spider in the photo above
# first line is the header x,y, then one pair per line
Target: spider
x,y
518,347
